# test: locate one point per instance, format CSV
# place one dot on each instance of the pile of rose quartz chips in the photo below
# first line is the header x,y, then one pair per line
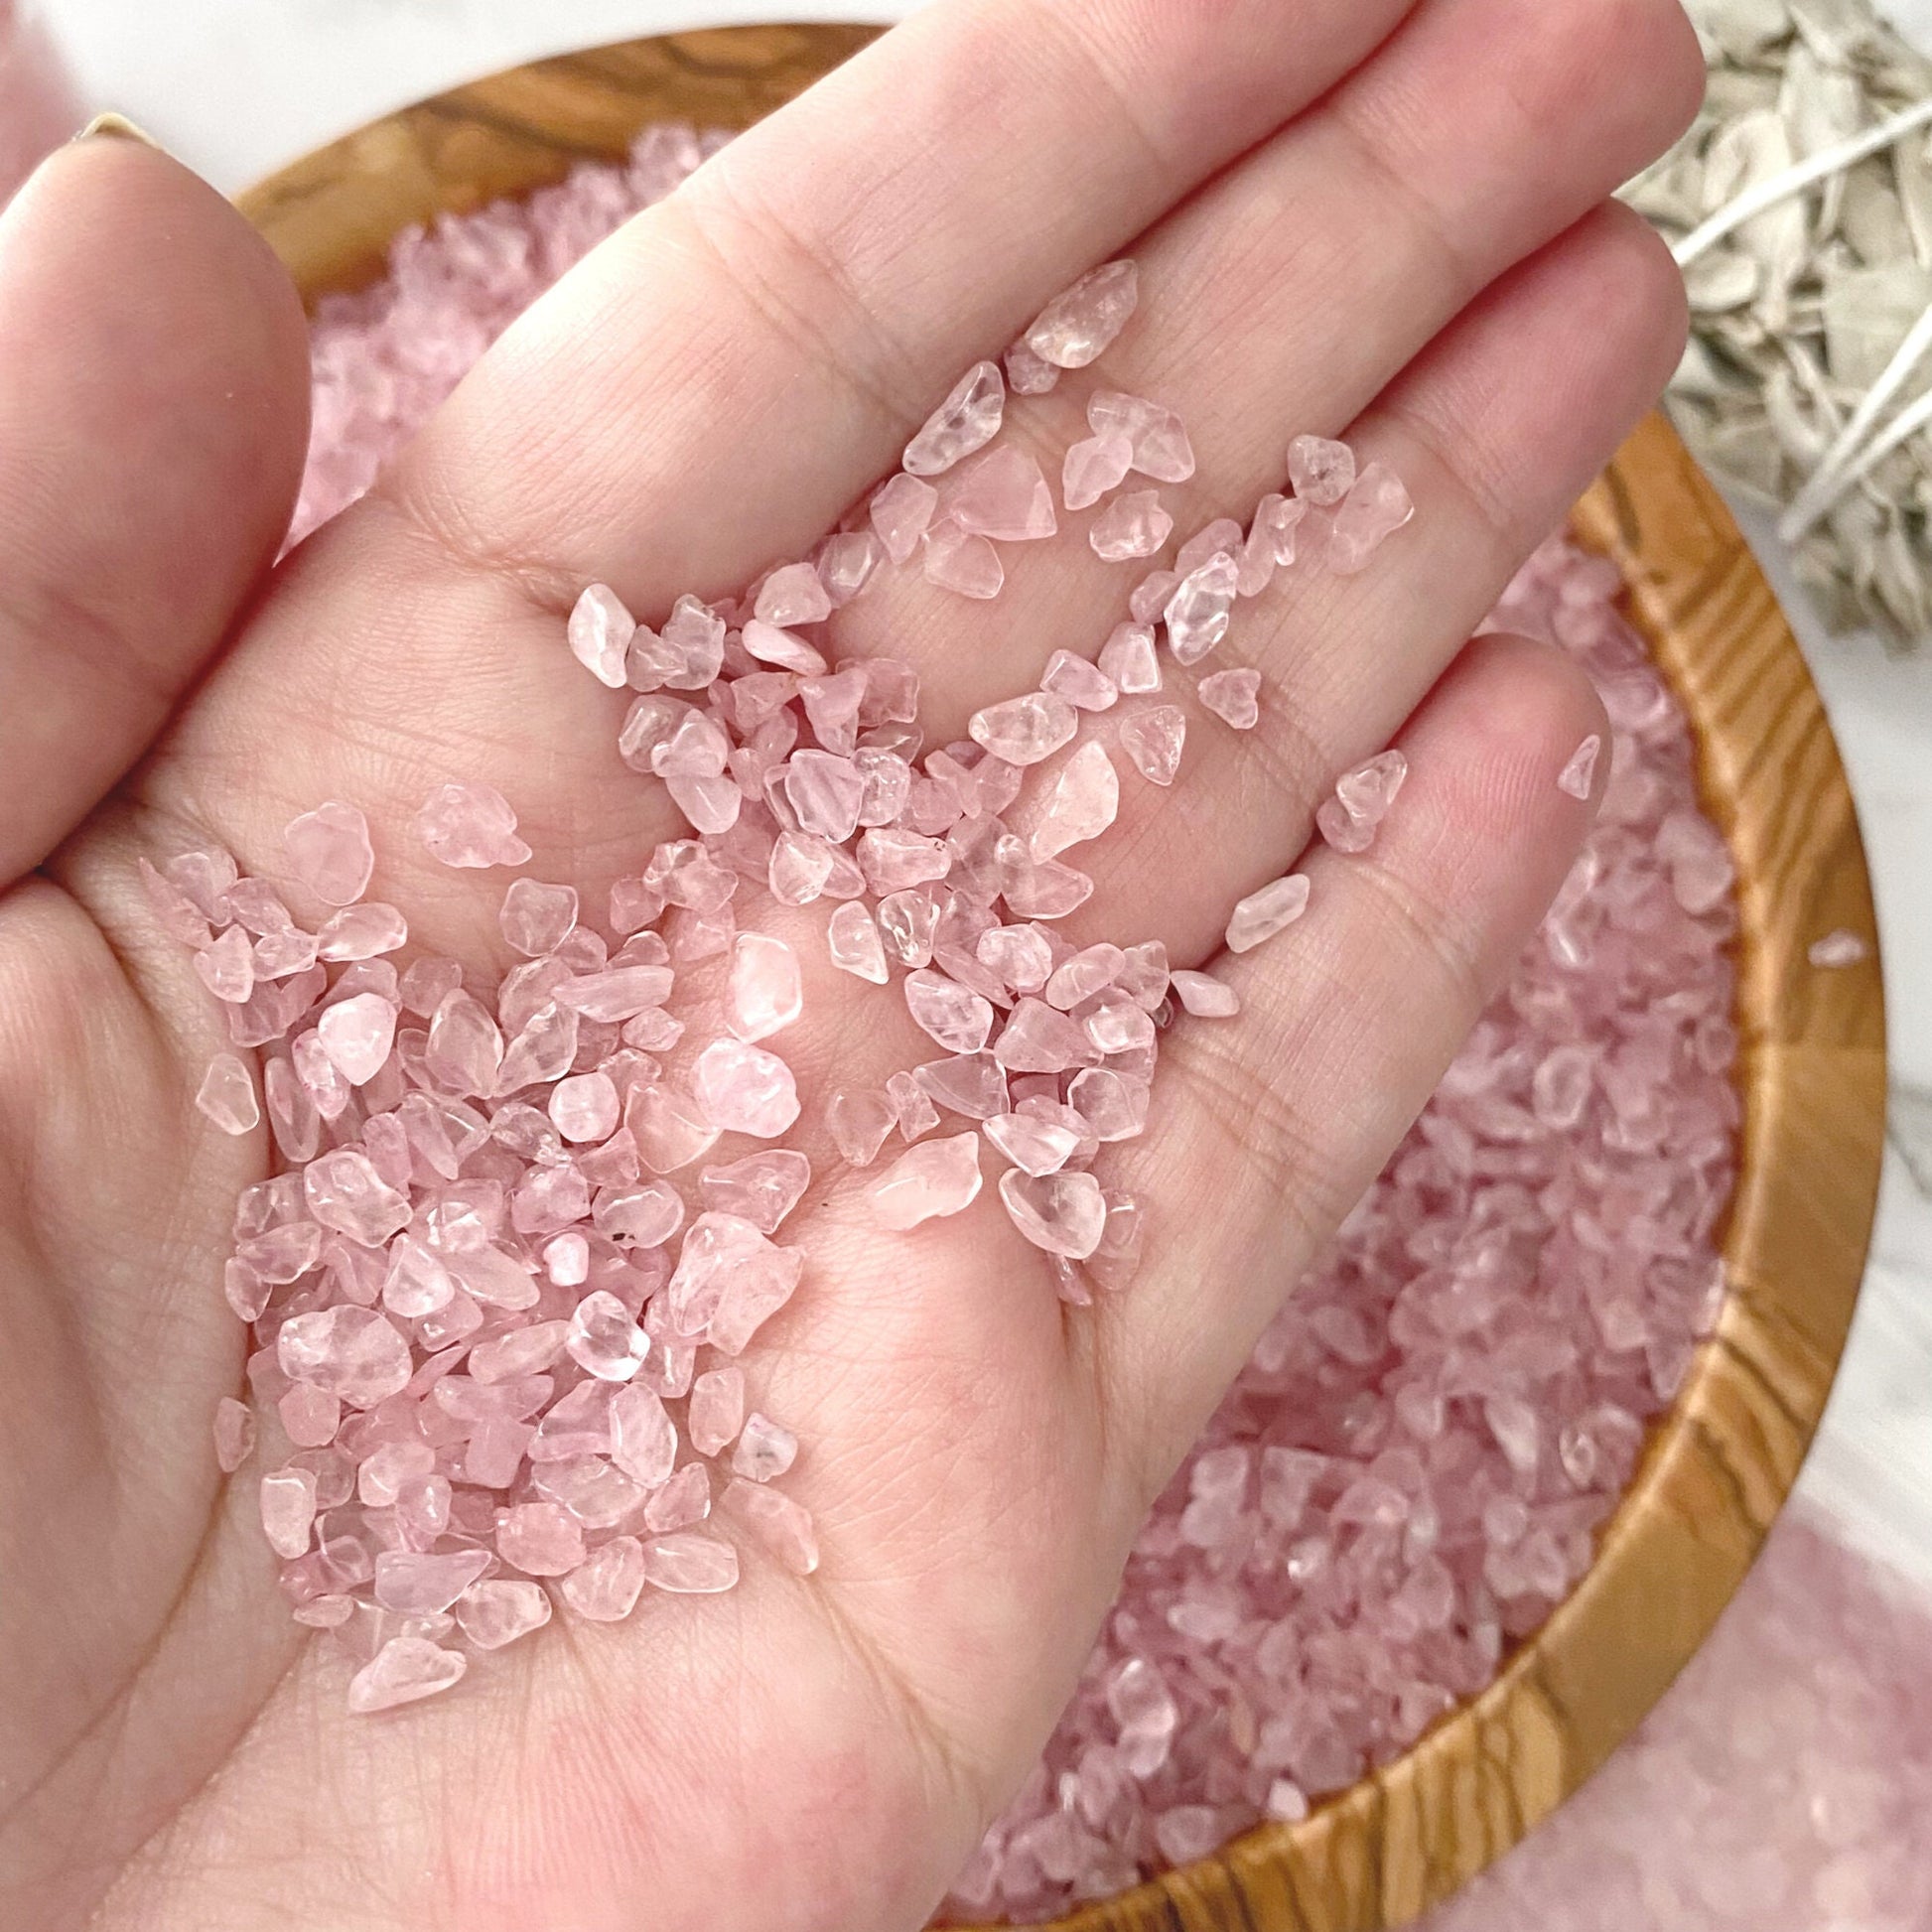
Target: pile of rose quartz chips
x,y
501,1288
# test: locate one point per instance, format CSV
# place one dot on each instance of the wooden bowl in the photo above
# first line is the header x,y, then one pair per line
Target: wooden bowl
x,y
1812,1068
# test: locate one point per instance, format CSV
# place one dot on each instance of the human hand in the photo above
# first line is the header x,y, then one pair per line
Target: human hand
x,y
1351,216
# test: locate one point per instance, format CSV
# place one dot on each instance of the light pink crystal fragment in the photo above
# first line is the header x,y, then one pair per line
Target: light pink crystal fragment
x,y
855,944
328,851
403,1671
1021,955
1322,471
1130,660
226,1095
585,1107
1133,525
599,632
1263,914
764,1450
826,793
716,1411
800,864
1024,731
742,1089
966,421
1154,740
351,1353
496,1613
846,563
234,1435
1234,697
226,966
1063,1214
606,1585
1198,612
1085,801
1029,374
1161,447
689,1563
1373,511
1038,1040
470,826
1350,819
1204,997
1148,597
772,646
1093,467
535,917
1003,495
781,1526
1080,323
1034,1147
1578,775
930,1181
540,1539
683,1500
309,1418
1222,537
671,1126
1079,681
417,1583
603,1340
344,1192
765,994
643,1439
1837,949
793,596
356,1035
957,559
902,509
960,1020
363,933
859,1123
288,1510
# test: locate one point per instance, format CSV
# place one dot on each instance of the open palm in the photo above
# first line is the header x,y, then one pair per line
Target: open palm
x,y
1349,215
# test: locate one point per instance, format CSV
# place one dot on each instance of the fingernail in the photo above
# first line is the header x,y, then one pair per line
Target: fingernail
x,y
119,128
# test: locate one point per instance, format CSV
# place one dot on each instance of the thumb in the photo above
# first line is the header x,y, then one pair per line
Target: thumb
x,y
154,395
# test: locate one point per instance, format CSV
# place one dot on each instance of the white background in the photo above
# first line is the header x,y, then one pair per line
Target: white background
x,y
237,87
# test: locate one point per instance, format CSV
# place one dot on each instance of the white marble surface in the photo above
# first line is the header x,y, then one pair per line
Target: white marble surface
x,y
238,87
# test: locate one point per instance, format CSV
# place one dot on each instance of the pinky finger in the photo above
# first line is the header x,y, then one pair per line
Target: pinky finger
x,y
1283,1116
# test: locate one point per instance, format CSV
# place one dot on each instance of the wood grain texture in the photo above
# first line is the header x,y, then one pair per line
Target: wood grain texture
x,y
1810,1072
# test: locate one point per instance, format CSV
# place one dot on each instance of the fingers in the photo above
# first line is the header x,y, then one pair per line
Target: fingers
x,y
1284,1115
1290,292
1496,430
768,339
154,388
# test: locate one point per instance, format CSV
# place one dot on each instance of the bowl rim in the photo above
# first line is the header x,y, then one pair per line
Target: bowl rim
x,y
1720,1462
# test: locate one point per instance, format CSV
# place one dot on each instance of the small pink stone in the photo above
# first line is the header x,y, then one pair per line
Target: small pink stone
x,y
540,1539
1024,731
716,1411
1003,495
742,1089
1063,1214
1130,660
772,646
670,1128
363,933
832,705
1154,740
799,866
911,1105
1836,950
1084,974
1222,537
1148,597
1198,612
470,826
692,649
1079,681
520,1352
1080,323
600,634
826,793
690,1563
344,1192
1034,1147
1351,819
1038,1040
288,1510
1029,374
536,917
927,1183
683,1500
603,1340
310,1419
606,1585
234,1435
226,1095
328,851
959,1020
1205,998
1085,801
966,421
1576,778
1377,508
1092,467
782,1527
956,559
1133,525
766,993
893,860
226,966
618,993
356,1035
846,563
495,1613
643,1439
1113,1105
349,1352
902,509
1021,955
1322,471
1161,447
855,945
793,596
585,1107
860,1124
1264,913
1234,697
762,1189
403,1671
764,1450
1040,888
421,1584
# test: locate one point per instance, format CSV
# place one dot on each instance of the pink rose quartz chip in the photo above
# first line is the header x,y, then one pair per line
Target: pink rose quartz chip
x,y
344,1192
1129,658
1082,323
414,1583
1161,447
1003,495
585,1107
1377,508
494,1613
1206,997
782,1527
957,559
470,826
1082,682
226,966
643,1439
1029,374
1264,913
856,947
689,1564
827,793
540,1539
603,1340
717,1410
535,917
234,1435
1034,1147
288,1510
902,509
1198,612
328,851
356,1035
363,933
766,993
846,564
960,1020
1024,731
742,1089
226,1095
1578,775
764,1451
1154,740
966,421
670,1129
1133,525
1234,697
1093,467
794,595
403,1671
599,632
762,1189
606,1585
351,1353
1085,801
1321,472
860,1124
1350,819
1062,1213
929,1182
